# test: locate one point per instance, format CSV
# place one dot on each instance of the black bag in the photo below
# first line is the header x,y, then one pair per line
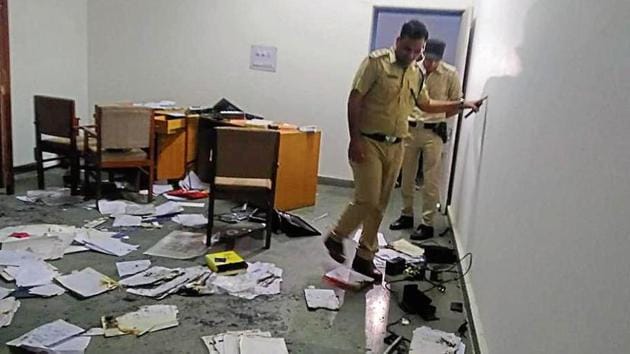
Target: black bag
x,y
292,225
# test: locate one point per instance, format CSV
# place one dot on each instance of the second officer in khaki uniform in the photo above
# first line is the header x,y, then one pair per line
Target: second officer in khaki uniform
x,y
427,134
384,92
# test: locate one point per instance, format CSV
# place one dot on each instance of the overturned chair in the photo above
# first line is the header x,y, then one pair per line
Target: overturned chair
x,y
122,137
244,167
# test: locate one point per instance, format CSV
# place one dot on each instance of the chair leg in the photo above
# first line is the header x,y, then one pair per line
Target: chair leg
x,y
268,225
40,168
74,173
150,188
97,171
210,221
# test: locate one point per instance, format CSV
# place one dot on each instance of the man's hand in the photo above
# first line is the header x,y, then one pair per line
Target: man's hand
x,y
474,105
356,153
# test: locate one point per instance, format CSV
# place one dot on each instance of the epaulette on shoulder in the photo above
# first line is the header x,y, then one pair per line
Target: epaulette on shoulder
x,y
379,53
449,67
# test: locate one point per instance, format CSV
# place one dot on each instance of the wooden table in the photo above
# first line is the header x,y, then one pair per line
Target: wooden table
x,y
176,138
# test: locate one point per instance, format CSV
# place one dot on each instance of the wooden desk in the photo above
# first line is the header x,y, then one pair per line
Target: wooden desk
x,y
298,159
176,139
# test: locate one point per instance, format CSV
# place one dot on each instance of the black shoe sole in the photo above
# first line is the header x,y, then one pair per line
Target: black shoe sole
x,y
397,227
334,254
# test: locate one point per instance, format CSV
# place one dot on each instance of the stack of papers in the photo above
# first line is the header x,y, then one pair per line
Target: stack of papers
x,y
87,282
244,342
147,319
260,279
179,245
53,337
8,308
172,286
432,341
104,242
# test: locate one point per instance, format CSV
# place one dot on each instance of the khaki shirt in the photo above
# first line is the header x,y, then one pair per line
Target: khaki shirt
x,y
442,84
389,93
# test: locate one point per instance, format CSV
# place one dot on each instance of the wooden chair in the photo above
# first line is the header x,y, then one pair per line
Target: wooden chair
x,y
244,166
56,131
122,137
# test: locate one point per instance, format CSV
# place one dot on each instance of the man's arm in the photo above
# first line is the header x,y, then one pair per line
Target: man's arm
x,y
355,149
454,91
437,106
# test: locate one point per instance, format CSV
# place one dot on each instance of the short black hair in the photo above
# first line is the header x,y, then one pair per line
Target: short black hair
x,y
414,29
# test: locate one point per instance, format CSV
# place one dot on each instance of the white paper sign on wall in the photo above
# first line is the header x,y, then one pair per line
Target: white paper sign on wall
x,y
263,58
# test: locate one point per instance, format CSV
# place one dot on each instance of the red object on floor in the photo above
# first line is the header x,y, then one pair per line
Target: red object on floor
x,y
20,235
189,193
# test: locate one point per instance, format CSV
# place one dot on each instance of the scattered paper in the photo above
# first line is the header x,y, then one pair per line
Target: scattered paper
x,y
47,290
186,276
139,209
32,273
191,220
159,189
191,205
381,238
4,292
262,345
132,267
347,277
168,208
104,242
74,345
229,342
94,223
116,207
407,247
87,282
8,308
147,319
321,299
260,279
127,220
51,197
96,331
45,246
192,181
150,276
426,340
16,258
46,336
75,249
36,230
179,245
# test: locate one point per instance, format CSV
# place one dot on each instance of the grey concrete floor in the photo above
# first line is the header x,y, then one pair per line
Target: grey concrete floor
x,y
358,327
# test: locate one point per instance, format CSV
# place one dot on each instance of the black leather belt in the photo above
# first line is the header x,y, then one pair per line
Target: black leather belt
x,y
414,124
383,138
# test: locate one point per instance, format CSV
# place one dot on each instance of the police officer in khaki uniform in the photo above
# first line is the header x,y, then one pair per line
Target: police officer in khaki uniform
x,y
427,134
384,92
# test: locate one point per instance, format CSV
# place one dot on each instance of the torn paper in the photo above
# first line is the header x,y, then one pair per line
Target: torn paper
x,y
87,282
321,299
229,342
8,308
191,220
260,279
186,276
192,181
47,290
262,345
32,273
74,345
147,319
179,245
426,340
132,267
127,221
96,331
168,208
150,276
46,336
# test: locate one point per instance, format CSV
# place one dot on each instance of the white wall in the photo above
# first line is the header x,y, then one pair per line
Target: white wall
x,y
197,51
543,201
48,44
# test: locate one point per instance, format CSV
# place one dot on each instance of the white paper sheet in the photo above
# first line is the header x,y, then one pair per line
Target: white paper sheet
x,y
47,290
191,204
75,249
36,230
161,188
127,220
94,223
407,247
74,345
192,181
139,209
191,220
16,258
229,342
103,242
47,247
321,299
47,335
150,276
87,282
161,291
4,292
426,340
33,273
114,207
168,208
132,267
150,318
8,308
262,345
179,245
382,242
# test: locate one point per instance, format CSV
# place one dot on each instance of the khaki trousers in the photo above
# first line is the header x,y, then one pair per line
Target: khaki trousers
x,y
428,143
374,180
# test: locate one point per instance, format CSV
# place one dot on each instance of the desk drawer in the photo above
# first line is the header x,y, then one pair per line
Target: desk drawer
x,y
168,126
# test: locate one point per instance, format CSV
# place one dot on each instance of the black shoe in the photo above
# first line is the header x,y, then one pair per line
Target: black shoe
x,y
366,268
423,232
335,249
403,222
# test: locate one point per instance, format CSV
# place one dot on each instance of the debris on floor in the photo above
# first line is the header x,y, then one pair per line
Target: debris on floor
x,y
191,220
4,292
382,242
244,342
260,279
8,308
426,340
51,197
87,282
95,223
103,242
127,221
226,263
179,245
347,278
48,246
132,267
49,338
47,290
172,286
192,181
147,319
150,276
321,299
407,247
